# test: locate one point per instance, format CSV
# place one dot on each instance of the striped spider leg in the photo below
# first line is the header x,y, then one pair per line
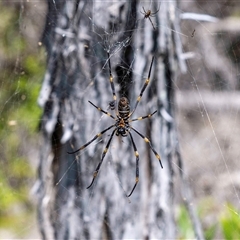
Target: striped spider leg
x,y
143,88
135,148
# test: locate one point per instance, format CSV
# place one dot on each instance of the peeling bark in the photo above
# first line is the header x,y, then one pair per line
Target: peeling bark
x,y
77,43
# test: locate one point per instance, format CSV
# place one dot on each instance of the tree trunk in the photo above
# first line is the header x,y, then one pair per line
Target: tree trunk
x,y
78,37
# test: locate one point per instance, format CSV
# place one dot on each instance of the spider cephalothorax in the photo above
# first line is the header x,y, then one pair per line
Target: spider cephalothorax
x,y
122,126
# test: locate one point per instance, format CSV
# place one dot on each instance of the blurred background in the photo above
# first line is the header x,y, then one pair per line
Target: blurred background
x,y
207,110
22,63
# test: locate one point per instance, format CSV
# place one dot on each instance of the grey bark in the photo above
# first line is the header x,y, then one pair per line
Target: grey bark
x,y
77,36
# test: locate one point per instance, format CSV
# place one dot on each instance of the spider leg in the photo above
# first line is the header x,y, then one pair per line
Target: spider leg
x,y
103,155
143,88
151,22
141,118
144,12
88,143
111,80
137,164
150,145
152,14
101,110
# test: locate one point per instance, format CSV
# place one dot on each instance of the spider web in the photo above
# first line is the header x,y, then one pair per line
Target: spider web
x,y
207,105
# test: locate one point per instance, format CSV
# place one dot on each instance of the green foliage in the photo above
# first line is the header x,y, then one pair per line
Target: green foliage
x,y
184,224
230,222
206,207
210,232
20,78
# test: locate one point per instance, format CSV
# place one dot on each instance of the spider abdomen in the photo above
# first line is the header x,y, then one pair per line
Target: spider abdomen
x,y
123,108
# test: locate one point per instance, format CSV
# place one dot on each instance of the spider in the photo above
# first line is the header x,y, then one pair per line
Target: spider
x,y
148,14
122,126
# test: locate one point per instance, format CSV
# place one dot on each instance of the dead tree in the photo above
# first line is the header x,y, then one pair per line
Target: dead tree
x,y
81,37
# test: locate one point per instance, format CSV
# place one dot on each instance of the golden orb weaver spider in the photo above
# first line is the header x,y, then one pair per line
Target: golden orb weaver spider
x,y
148,14
122,125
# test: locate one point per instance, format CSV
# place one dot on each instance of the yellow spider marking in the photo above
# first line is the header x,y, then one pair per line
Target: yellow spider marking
x,y
105,150
139,98
98,135
111,79
121,123
114,98
137,179
136,154
146,140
